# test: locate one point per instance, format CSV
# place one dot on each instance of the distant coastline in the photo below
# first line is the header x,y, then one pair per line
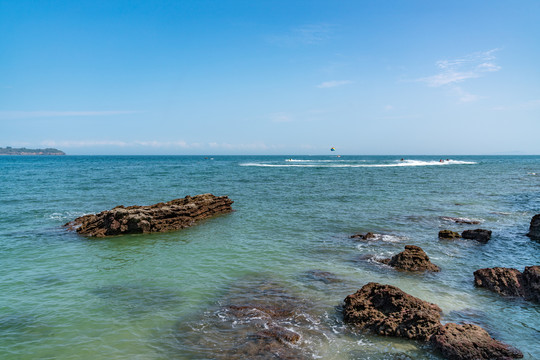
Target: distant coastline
x,y
24,151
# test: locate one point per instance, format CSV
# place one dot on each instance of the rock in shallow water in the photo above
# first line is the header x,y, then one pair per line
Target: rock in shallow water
x,y
387,310
534,229
173,215
412,259
510,282
480,235
470,342
448,234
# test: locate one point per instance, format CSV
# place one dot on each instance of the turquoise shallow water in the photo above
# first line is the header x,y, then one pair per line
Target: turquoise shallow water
x,y
158,296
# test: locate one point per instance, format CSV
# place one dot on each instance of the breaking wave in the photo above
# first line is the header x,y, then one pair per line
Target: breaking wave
x,y
355,163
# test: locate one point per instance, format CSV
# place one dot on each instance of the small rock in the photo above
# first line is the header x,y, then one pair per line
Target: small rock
x,y
367,236
531,282
534,229
470,342
412,259
448,234
480,235
387,310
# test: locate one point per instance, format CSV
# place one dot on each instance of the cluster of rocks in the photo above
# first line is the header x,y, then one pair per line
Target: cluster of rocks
x,y
480,235
173,215
511,282
387,310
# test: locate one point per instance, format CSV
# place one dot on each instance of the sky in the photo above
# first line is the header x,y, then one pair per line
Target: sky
x,y
271,76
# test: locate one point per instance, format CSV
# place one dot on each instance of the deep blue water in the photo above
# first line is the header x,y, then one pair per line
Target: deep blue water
x,y
157,296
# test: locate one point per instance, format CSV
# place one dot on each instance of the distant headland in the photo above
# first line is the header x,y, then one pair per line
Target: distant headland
x,y
24,151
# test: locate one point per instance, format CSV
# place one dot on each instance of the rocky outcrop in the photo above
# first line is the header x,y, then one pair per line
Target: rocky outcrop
x,y
534,229
173,215
448,234
470,342
367,236
480,235
412,259
510,282
531,282
387,310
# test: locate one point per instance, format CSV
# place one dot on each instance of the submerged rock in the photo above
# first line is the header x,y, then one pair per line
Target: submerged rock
x,y
173,215
470,342
387,310
510,282
480,235
448,234
412,259
534,229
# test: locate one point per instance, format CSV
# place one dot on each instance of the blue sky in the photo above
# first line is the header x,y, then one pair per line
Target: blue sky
x,y
271,77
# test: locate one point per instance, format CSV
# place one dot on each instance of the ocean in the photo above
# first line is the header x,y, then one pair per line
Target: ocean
x,y
169,295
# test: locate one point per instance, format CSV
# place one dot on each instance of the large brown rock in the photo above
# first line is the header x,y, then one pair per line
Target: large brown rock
x,y
173,215
470,342
504,281
480,235
387,310
510,282
412,259
534,229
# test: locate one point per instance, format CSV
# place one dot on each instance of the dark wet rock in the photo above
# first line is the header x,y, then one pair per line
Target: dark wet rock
x,y
412,259
367,236
510,282
504,281
534,229
470,342
480,235
448,234
459,220
322,276
173,215
531,282
387,310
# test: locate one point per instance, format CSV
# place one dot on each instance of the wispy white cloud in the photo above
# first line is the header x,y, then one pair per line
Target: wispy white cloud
x,y
8,115
303,35
333,83
463,95
281,117
458,70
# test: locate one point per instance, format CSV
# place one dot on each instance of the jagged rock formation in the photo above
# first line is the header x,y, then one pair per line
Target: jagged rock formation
x,y
173,215
534,229
480,235
412,259
510,282
387,310
448,234
470,342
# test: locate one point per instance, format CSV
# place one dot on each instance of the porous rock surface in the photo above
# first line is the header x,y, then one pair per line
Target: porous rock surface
x,y
173,215
480,235
387,310
510,282
448,234
470,342
412,259
534,229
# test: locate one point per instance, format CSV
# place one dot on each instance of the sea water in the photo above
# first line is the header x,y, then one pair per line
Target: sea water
x,y
158,296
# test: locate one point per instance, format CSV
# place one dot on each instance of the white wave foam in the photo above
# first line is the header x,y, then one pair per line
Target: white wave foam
x,y
335,164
